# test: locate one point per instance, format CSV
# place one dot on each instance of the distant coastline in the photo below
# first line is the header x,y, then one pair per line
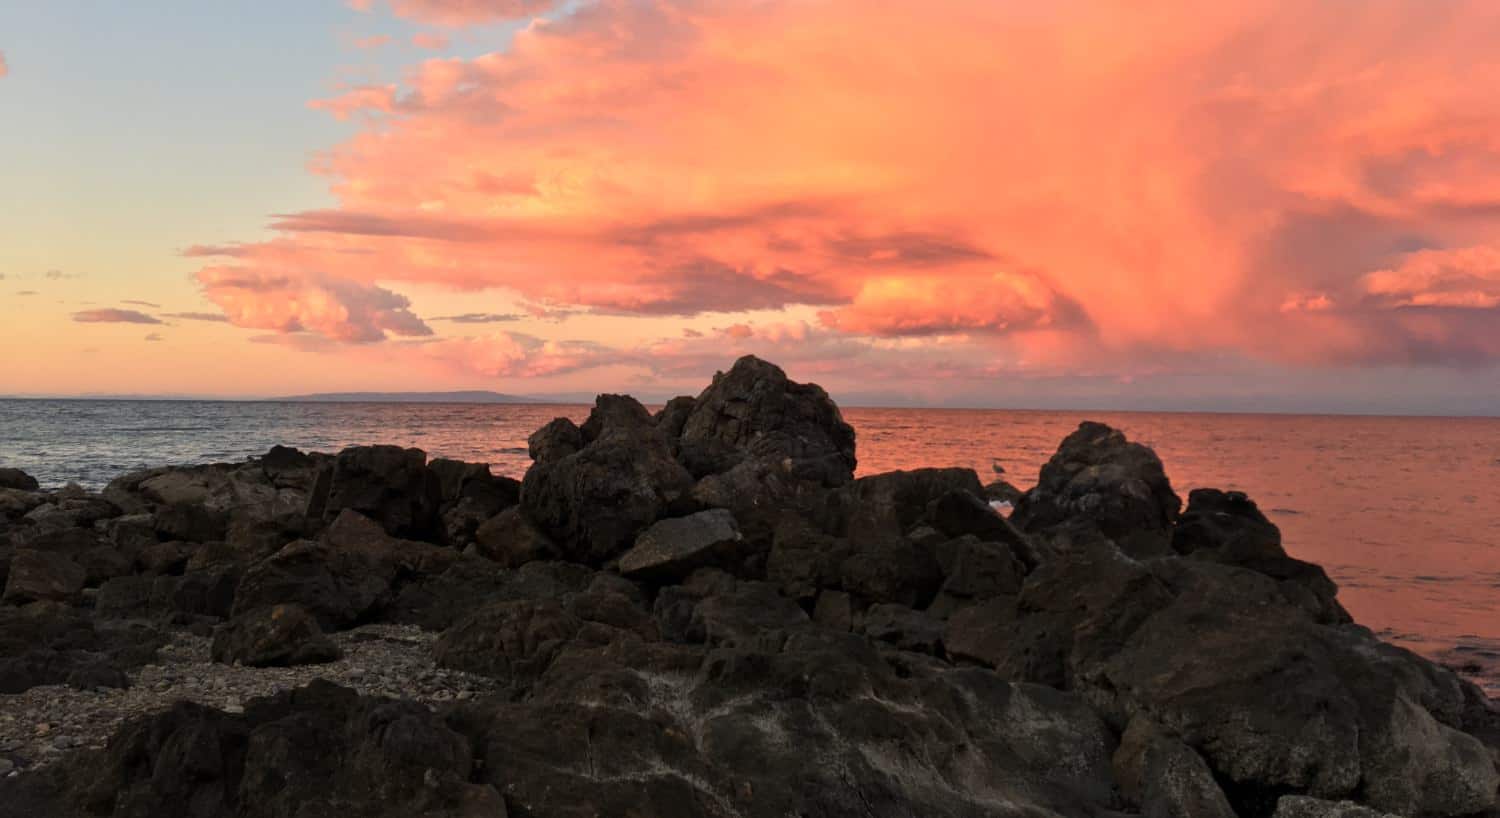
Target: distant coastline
x,y
463,396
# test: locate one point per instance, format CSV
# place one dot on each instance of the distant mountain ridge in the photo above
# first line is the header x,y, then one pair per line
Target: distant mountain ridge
x,y
464,396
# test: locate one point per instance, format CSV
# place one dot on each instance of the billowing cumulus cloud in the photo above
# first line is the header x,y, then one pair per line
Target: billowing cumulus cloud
x,y
1050,185
114,316
307,302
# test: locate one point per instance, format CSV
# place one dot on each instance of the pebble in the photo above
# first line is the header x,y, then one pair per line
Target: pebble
x,y
39,725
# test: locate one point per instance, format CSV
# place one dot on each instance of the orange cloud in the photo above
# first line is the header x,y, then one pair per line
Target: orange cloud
x,y
372,43
308,302
460,12
1064,183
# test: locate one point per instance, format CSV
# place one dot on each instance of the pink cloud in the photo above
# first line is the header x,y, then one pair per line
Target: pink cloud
x,y
460,12
1037,185
429,40
4,66
337,309
365,98
374,42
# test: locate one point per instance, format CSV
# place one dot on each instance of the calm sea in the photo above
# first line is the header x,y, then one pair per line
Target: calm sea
x,y
1404,513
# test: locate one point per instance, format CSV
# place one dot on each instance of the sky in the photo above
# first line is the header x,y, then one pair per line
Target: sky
x,y
1238,206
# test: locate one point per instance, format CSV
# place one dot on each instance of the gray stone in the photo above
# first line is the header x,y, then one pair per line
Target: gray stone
x,y
674,548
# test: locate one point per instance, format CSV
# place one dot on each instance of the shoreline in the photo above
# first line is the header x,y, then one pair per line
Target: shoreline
x,y
711,596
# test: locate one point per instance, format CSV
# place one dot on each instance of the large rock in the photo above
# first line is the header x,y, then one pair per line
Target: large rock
x,y
1102,481
594,501
755,412
471,494
319,750
388,484
43,575
17,479
340,587
49,644
512,540
674,548
278,636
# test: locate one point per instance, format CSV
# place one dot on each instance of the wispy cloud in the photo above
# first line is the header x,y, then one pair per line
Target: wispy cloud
x,y
196,316
4,66
480,317
155,336
141,303
110,315
429,41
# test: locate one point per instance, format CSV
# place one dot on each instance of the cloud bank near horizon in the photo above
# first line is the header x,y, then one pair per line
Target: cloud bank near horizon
x,y
1080,188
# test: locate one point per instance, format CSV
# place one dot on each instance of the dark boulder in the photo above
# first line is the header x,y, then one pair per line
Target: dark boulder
x,y
512,540
18,480
904,628
319,750
43,575
340,587
471,494
1227,527
554,441
593,502
673,548
754,411
278,636
508,640
1100,480
388,484
49,644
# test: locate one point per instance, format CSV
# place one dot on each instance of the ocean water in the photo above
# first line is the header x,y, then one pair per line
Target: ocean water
x,y
1404,513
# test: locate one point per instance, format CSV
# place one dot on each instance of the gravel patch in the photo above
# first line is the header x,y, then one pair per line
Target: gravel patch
x,y
37,726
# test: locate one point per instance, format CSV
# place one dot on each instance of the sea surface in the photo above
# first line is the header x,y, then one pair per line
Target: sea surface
x,y
1404,513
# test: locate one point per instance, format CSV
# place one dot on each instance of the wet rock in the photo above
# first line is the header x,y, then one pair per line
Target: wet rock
x,y
42,575
672,549
18,480
1100,480
388,484
278,636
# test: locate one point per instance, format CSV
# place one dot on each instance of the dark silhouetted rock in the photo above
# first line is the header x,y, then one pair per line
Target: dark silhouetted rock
x,y
558,439
50,644
471,494
905,628
1100,480
1000,491
508,639
755,411
340,587
1165,777
17,479
592,503
42,575
512,540
672,549
278,636
388,484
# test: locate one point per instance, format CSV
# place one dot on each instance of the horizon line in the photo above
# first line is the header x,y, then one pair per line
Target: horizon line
x,y
543,400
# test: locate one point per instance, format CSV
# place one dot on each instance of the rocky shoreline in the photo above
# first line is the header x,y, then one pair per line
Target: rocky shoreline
x,y
699,612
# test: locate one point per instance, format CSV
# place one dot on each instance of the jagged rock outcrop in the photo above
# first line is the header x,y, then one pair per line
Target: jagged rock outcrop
x,y
703,612
1101,480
